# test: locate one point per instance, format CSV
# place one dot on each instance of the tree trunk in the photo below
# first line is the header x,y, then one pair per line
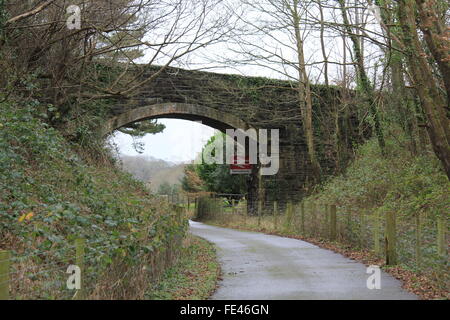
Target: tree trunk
x,y
363,79
337,130
433,102
401,99
437,37
305,96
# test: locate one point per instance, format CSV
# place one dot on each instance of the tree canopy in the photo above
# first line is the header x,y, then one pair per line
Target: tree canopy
x,y
213,177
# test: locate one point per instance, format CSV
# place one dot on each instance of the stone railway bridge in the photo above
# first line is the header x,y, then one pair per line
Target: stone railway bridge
x,y
225,101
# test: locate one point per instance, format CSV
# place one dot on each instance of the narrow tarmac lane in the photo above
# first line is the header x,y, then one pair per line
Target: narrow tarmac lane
x,y
260,266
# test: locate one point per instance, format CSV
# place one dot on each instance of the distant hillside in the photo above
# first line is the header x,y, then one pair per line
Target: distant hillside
x,y
153,171
171,175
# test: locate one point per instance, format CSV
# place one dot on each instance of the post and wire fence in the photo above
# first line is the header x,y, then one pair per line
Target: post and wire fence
x,y
46,274
88,268
419,241
33,271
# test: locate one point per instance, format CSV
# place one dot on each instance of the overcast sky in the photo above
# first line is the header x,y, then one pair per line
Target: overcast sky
x,y
181,141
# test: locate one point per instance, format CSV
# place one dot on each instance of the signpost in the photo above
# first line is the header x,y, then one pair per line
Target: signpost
x,y
244,168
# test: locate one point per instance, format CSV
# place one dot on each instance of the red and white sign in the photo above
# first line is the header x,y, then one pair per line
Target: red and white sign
x,y
244,168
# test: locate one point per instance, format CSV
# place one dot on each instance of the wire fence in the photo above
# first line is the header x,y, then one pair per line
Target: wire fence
x,y
418,242
44,274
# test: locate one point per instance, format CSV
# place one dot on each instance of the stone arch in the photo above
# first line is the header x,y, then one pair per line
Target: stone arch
x,y
214,118
209,116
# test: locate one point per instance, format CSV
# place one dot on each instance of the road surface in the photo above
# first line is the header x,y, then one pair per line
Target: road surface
x,y
260,266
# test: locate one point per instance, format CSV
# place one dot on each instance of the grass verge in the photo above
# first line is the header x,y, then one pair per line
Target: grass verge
x,y
195,275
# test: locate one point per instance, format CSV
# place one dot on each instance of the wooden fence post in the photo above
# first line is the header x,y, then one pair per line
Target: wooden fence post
x,y
209,206
214,207
418,240
296,217
313,216
333,224
5,264
79,261
275,215
259,211
441,243
349,220
362,227
288,221
391,250
326,222
302,217
376,233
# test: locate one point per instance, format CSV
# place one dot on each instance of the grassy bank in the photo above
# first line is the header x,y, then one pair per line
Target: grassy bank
x,y
53,192
193,277
413,187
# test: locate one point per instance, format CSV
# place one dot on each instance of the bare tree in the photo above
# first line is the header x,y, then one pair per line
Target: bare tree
x,y
363,78
434,100
276,41
108,55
